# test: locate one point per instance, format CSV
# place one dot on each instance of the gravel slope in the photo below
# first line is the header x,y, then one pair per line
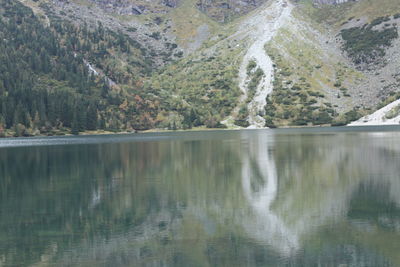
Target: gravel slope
x,y
262,27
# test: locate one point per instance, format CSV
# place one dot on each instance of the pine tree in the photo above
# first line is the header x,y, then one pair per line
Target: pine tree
x,y
102,123
82,119
75,124
36,121
187,123
91,118
2,126
28,120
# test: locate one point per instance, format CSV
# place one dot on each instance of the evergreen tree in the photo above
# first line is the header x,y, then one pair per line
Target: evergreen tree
x,y
91,118
2,126
187,122
45,83
36,121
75,124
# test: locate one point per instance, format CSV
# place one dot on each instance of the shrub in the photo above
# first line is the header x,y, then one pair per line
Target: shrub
x,y
269,122
339,122
20,130
394,112
352,115
365,44
251,66
254,82
299,122
242,123
337,84
155,35
322,117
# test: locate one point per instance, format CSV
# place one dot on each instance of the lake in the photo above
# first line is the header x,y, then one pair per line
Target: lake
x,y
285,197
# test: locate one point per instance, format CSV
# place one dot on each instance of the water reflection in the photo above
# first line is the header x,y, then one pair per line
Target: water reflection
x,y
245,198
260,188
316,184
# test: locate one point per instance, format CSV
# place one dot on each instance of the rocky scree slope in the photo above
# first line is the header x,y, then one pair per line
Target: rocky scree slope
x,y
256,69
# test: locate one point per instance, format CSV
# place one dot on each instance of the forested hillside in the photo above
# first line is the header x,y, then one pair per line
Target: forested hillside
x,y
69,78
48,84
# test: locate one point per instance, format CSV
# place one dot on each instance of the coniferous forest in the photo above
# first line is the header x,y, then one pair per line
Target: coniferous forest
x,y
47,85
59,77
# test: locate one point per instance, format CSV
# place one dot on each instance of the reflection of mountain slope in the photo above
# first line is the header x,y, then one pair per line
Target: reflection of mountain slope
x,y
265,225
290,189
223,198
316,180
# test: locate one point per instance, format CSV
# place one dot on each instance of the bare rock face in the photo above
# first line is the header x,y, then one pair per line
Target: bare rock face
x,y
220,10
170,3
224,10
136,7
332,2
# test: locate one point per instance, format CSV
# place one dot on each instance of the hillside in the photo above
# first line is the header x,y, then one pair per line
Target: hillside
x,y
101,65
64,77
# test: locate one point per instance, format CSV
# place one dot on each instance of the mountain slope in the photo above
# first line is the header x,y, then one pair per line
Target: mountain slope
x,y
64,76
172,64
318,77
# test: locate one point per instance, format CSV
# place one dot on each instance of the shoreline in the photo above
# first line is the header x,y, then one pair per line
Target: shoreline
x,y
201,129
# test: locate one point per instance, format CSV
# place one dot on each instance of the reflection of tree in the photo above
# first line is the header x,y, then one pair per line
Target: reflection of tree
x,y
79,196
244,198
61,195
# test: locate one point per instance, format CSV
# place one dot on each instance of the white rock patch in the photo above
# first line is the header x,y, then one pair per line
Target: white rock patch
x,y
263,26
380,117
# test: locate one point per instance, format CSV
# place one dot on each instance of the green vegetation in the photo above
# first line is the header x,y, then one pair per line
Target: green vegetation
x,y
186,31
304,65
59,77
255,79
339,15
205,86
296,105
394,112
241,119
392,97
348,117
295,101
345,92
46,86
365,44
251,66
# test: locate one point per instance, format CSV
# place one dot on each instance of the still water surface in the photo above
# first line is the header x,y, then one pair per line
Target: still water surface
x,y
307,197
